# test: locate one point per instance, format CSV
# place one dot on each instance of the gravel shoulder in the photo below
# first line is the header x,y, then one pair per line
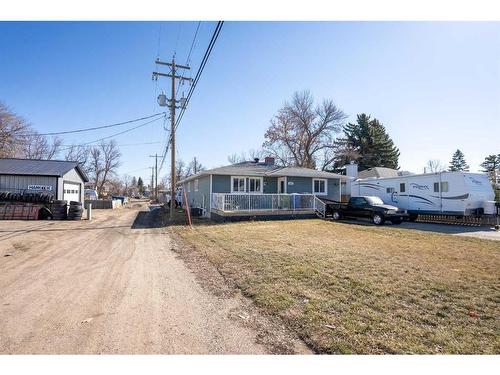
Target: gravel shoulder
x,y
112,287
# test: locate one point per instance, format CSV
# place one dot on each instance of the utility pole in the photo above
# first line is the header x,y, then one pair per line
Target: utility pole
x,y
152,177
172,104
156,174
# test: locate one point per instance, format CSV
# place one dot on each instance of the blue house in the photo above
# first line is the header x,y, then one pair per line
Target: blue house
x,y
255,188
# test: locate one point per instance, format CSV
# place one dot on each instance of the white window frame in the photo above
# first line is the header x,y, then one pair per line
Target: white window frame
x,y
244,185
196,185
326,186
260,191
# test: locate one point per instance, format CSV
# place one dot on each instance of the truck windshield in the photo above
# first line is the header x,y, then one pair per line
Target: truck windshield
x,y
374,200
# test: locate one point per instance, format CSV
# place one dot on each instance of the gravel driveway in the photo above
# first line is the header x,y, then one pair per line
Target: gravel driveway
x,y
104,287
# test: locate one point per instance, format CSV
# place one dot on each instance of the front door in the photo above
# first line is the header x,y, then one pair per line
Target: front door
x,y
282,185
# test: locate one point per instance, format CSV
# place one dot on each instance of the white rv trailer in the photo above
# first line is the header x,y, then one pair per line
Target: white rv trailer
x,y
444,193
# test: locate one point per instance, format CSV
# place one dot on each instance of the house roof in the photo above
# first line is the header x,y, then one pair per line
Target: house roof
x,y
304,172
379,172
260,169
36,167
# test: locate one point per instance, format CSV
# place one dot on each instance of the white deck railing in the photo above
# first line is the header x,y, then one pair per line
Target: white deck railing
x,y
266,202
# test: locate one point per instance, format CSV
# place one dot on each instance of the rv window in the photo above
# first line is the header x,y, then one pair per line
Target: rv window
x,y
390,190
402,187
436,187
444,186
189,186
196,183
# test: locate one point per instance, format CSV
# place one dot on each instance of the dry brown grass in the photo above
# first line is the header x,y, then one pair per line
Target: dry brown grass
x,y
352,289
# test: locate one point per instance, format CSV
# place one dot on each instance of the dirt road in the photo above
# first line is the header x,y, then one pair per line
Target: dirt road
x,y
108,286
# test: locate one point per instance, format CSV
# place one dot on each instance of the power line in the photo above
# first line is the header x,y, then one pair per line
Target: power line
x,y
200,69
116,134
103,126
188,59
215,35
192,43
120,145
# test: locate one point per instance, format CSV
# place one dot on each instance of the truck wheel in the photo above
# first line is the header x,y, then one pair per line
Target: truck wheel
x,y
412,217
336,215
397,221
378,219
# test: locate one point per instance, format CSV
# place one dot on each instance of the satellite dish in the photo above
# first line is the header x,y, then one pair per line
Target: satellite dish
x,y
162,100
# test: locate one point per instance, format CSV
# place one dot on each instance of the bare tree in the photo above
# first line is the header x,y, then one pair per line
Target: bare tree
x,y
336,157
81,154
433,166
300,131
194,167
235,158
104,161
252,155
37,146
13,130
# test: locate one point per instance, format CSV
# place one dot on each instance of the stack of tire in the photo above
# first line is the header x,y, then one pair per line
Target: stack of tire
x,y
75,211
59,210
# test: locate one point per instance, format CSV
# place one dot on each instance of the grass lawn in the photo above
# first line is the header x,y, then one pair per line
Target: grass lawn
x,y
359,289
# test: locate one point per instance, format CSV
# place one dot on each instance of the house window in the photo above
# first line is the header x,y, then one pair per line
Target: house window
x,y
189,186
319,186
402,187
255,185
196,182
436,187
444,186
238,184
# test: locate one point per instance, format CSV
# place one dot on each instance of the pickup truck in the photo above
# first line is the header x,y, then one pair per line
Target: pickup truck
x,y
366,207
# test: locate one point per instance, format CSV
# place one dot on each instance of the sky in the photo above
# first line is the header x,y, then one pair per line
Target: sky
x,y
434,85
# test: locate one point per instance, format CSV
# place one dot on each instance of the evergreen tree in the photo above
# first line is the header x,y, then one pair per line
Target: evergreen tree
x,y
134,182
491,165
458,162
140,185
369,140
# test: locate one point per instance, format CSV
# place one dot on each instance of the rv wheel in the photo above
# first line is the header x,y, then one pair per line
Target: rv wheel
x,y
378,219
336,215
412,217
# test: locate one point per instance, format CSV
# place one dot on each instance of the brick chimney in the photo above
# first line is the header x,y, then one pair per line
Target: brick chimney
x,y
269,160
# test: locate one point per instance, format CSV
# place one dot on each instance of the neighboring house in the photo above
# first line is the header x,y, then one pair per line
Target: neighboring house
x,y
381,172
262,188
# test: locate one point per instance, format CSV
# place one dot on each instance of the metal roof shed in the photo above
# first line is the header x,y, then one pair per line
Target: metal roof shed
x,y
64,179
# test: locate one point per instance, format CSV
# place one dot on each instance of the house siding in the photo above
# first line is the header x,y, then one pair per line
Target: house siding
x,y
200,198
221,184
300,185
303,185
270,185
333,189
19,183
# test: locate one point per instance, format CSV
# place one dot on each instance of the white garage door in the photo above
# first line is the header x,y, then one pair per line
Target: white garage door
x,y
71,192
